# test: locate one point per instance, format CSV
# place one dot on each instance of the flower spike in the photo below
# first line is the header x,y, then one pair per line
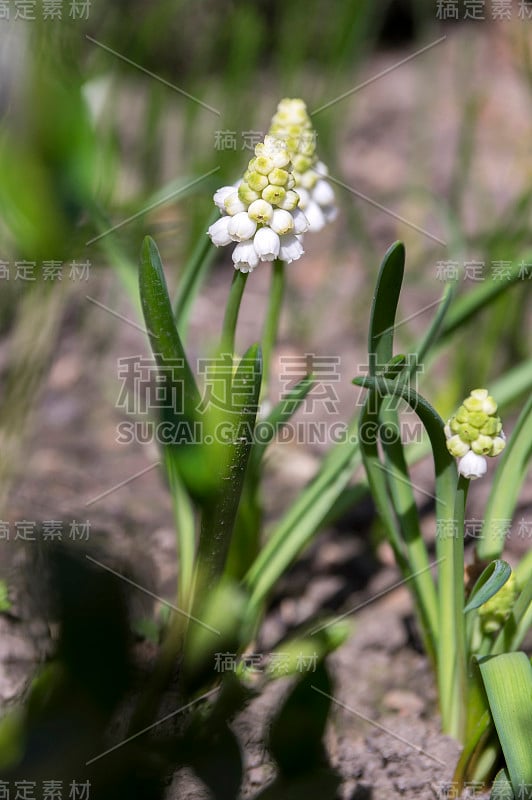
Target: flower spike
x,y
261,212
292,124
475,431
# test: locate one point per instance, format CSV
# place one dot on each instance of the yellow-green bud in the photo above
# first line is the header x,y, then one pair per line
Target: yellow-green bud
x,y
491,427
247,194
457,447
256,181
278,177
477,418
274,194
494,613
482,445
263,164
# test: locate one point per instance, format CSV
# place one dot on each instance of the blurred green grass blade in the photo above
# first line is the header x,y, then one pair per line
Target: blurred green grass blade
x,y
304,517
488,584
509,477
433,333
282,413
513,384
185,526
193,276
508,683
220,513
384,307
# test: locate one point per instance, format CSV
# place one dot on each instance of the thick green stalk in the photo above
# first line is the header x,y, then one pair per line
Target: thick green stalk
x,y
271,323
419,571
454,592
227,344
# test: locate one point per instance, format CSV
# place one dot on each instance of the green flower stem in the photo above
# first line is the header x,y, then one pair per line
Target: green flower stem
x,y
271,324
450,645
227,344
414,546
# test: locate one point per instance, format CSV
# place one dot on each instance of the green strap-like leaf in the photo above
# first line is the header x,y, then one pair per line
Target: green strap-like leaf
x,y
219,516
165,342
493,577
508,682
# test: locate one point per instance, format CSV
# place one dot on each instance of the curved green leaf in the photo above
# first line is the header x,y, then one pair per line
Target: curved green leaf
x,y
384,307
492,578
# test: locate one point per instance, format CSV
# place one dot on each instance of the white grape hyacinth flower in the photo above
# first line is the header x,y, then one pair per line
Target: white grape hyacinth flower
x,y
261,213
293,125
472,466
473,433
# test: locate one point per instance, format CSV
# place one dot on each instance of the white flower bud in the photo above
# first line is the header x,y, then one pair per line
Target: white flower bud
x,y
291,248
241,227
245,257
290,200
260,211
220,196
304,198
282,222
472,466
233,204
219,232
322,193
315,216
266,242
300,221
307,179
